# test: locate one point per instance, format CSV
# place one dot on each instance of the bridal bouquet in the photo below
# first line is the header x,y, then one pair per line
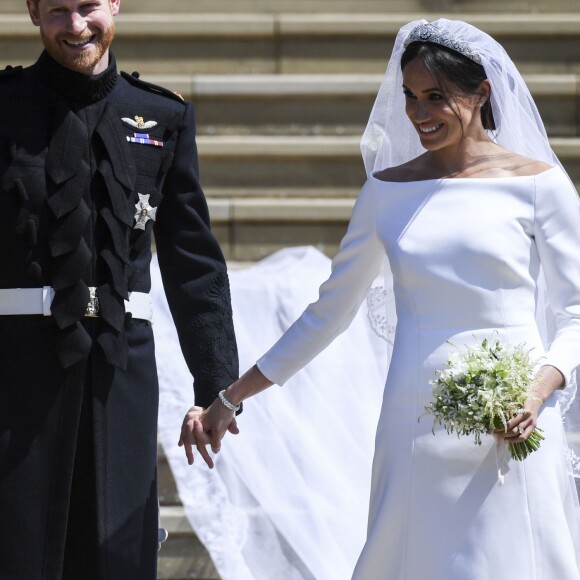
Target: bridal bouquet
x,y
481,389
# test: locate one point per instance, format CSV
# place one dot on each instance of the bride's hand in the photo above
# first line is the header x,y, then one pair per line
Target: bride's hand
x,y
520,426
195,433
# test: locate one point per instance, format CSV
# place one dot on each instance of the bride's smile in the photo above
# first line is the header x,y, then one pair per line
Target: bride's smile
x,y
443,119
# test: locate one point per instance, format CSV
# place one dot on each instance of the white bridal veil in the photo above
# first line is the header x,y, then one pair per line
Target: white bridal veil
x,y
390,140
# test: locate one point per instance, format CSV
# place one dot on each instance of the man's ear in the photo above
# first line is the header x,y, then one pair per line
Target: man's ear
x,y
115,6
33,12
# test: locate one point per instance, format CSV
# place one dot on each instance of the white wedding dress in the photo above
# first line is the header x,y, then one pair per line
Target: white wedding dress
x,y
465,256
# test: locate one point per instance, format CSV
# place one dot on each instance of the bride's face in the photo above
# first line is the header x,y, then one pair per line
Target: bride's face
x,y
442,120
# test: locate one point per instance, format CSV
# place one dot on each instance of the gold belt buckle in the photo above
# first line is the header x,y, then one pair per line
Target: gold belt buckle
x,y
93,306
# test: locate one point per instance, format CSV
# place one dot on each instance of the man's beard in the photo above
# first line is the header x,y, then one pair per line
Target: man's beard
x,y
85,61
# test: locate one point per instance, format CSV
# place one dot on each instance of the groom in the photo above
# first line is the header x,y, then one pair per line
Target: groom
x,y
92,163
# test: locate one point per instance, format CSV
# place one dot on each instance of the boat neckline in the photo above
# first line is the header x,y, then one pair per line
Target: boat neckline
x,y
445,179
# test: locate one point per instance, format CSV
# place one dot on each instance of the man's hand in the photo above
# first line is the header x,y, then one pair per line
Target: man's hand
x,y
194,434
215,421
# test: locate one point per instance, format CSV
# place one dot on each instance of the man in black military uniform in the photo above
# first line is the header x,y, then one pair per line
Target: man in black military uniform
x,y
91,163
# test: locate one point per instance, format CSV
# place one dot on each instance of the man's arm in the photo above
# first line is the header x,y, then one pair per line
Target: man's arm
x,y
194,272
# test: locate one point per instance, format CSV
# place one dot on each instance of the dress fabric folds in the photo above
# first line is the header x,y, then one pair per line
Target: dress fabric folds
x,y
288,495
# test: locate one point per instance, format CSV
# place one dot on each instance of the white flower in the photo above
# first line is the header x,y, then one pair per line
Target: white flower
x,y
460,370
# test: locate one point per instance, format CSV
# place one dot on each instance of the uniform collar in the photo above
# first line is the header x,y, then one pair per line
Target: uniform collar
x,y
74,85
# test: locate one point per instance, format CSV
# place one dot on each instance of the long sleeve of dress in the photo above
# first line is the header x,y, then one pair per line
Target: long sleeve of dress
x,y
354,268
557,235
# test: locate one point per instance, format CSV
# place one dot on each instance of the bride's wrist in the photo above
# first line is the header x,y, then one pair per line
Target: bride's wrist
x,y
235,393
227,401
249,384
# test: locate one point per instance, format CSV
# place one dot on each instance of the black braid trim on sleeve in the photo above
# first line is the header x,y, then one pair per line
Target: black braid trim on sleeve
x,y
214,355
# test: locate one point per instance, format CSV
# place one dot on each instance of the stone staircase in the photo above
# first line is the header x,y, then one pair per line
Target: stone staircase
x,y
283,89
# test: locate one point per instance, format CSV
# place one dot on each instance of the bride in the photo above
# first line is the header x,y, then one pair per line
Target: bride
x,y
470,208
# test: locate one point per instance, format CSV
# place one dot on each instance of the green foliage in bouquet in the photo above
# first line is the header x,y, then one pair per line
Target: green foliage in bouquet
x,y
481,389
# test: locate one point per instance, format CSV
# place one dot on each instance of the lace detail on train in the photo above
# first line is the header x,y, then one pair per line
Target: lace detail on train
x,y
381,310
570,409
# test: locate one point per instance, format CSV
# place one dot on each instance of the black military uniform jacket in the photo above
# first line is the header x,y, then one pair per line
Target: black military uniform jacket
x,y
83,161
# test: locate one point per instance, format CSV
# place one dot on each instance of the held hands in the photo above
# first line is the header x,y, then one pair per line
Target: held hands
x,y
202,427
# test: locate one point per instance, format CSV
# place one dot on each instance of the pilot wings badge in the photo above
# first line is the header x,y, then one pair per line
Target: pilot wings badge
x,y
139,122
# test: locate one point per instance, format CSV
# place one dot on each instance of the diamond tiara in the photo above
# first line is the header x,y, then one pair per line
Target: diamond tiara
x,y
433,33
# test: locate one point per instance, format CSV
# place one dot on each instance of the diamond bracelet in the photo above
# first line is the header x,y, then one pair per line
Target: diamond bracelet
x,y
226,403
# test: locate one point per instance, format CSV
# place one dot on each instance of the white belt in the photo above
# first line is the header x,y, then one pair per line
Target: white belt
x,y
17,301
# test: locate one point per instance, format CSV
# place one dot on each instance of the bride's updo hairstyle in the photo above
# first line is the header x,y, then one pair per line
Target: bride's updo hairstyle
x,y
451,69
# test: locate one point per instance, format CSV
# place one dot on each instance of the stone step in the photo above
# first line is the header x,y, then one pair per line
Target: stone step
x,y
253,223
350,6
280,161
192,43
255,161
253,228
271,172
330,104
277,104
269,209
182,555
218,194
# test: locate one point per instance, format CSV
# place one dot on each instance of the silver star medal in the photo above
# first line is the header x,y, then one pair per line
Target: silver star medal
x,y
144,212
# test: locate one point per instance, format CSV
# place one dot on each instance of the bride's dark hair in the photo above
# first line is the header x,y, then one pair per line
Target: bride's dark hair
x,y
451,68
